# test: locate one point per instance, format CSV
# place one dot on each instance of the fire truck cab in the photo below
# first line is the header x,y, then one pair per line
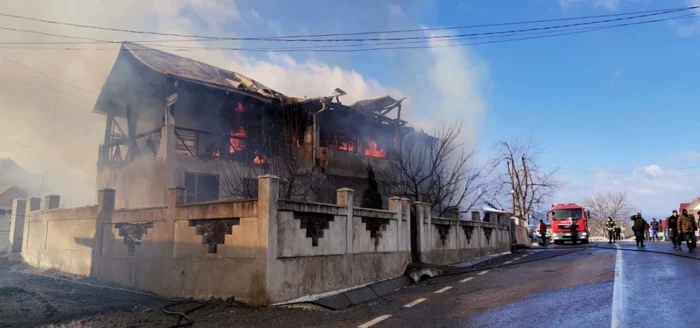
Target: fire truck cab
x,y
562,217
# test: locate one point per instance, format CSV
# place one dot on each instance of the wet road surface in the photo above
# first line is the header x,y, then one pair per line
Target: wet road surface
x,y
563,287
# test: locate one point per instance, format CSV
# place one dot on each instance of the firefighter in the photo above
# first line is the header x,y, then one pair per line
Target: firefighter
x,y
574,231
618,232
610,228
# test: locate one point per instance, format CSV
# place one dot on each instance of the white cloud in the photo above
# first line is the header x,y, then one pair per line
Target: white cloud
x,y
651,188
256,15
653,170
693,28
395,10
610,5
70,161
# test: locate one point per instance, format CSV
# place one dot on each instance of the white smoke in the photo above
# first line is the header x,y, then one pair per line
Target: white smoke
x,y
65,147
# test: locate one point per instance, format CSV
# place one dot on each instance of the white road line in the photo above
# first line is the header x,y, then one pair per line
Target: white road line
x,y
508,262
466,279
414,303
483,272
443,290
617,318
374,321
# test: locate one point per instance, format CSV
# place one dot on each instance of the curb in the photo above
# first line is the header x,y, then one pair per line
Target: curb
x,y
362,294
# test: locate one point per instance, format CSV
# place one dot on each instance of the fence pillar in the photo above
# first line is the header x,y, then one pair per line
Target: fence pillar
x,y
406,208
395,206
268,194
345,197
420,240
52,202
105,206
19,207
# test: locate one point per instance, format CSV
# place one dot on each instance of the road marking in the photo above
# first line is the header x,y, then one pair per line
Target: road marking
x,y
414,303
508,262
517,258
466,279
443,290
374,321
617,318
483,272
526,255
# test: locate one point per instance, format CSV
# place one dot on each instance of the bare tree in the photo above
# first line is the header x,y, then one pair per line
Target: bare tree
x,y
435,169
520,175
602,205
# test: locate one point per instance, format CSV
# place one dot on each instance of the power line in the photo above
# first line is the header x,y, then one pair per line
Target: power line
x,y
316,49
48,76
312,38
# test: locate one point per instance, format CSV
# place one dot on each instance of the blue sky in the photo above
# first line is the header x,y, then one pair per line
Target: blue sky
x,y
613,100
601,102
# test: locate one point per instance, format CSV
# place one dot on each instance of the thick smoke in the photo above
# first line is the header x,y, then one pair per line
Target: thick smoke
x,y
48,127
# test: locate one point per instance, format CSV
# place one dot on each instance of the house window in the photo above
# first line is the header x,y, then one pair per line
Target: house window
x,y
201,187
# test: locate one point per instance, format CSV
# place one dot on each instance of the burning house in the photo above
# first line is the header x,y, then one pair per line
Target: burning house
x,y
175,122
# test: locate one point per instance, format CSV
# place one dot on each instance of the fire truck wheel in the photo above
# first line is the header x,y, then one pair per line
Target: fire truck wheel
x,y
584,241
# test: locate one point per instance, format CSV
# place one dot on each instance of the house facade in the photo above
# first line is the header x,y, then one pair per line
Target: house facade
x,y
174,122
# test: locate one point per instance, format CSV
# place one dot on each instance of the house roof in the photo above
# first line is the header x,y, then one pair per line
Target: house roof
x,y
5,188
198,72
694,204
683,206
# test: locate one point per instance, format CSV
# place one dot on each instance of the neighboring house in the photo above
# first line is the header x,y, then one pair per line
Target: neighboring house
x,y
175,122
488,212
9,193
692,207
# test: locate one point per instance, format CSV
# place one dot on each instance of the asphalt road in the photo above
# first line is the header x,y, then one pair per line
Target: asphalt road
x,y
563,286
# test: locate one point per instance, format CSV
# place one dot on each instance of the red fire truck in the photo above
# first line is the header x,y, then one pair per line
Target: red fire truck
x,y
562,217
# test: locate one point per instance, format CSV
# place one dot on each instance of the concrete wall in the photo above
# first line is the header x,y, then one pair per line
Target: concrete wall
x,y
451,241
264,256
5,234
322,247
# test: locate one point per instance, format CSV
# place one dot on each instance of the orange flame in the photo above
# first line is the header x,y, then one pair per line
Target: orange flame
x,y
240,108
260,160
373,150
342,143
237,144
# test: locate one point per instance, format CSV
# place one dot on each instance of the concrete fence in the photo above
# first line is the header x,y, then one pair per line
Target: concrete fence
x,y
449,241
260,251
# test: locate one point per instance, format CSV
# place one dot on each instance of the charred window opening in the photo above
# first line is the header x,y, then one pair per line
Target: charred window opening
x,y
201,187
338,136
380,141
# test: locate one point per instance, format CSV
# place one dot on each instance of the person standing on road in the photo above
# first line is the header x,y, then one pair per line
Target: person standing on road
x,y
618,232
654,225
639,226
673,230
664,228
543,232
686,228
610,228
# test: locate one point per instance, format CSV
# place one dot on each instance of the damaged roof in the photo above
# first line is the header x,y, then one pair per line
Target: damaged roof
x,y
198,72
377,104
211,76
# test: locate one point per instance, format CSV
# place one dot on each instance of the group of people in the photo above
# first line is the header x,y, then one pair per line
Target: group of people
x,y
677,228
